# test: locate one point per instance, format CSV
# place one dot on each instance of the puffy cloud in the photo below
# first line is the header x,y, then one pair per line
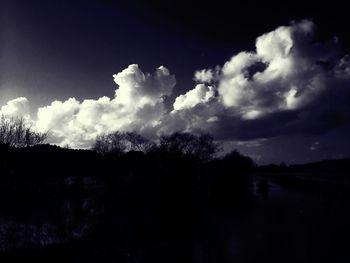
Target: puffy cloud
x,y
200,94
283,83
238,63
204,76
145,88
288,85
137,106
18,107
285,86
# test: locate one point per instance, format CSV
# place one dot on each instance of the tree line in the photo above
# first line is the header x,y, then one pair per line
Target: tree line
x,y
201,147
17,133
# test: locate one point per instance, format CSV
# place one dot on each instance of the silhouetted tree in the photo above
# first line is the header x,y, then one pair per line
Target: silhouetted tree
x,y
16,133
110,143
201,147
136,142
119,143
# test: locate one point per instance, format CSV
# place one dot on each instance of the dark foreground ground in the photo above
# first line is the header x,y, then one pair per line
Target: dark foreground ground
x,y
282,225
64,206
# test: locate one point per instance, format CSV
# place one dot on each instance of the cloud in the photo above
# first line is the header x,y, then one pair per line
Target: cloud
x,y
18,107
145,88
287,80
137,106
204,76
289,84
200,94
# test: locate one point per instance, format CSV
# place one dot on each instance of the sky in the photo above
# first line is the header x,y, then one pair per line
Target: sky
x,y
269,79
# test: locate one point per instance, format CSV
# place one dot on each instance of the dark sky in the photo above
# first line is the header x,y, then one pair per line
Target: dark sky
x,y
58,49
53,50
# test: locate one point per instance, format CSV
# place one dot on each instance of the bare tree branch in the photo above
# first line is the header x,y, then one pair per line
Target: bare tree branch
x,y
16,133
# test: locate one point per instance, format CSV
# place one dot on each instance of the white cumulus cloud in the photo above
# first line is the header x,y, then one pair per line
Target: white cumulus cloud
x,y
288,84
200,94
137,106
18,107
280,87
